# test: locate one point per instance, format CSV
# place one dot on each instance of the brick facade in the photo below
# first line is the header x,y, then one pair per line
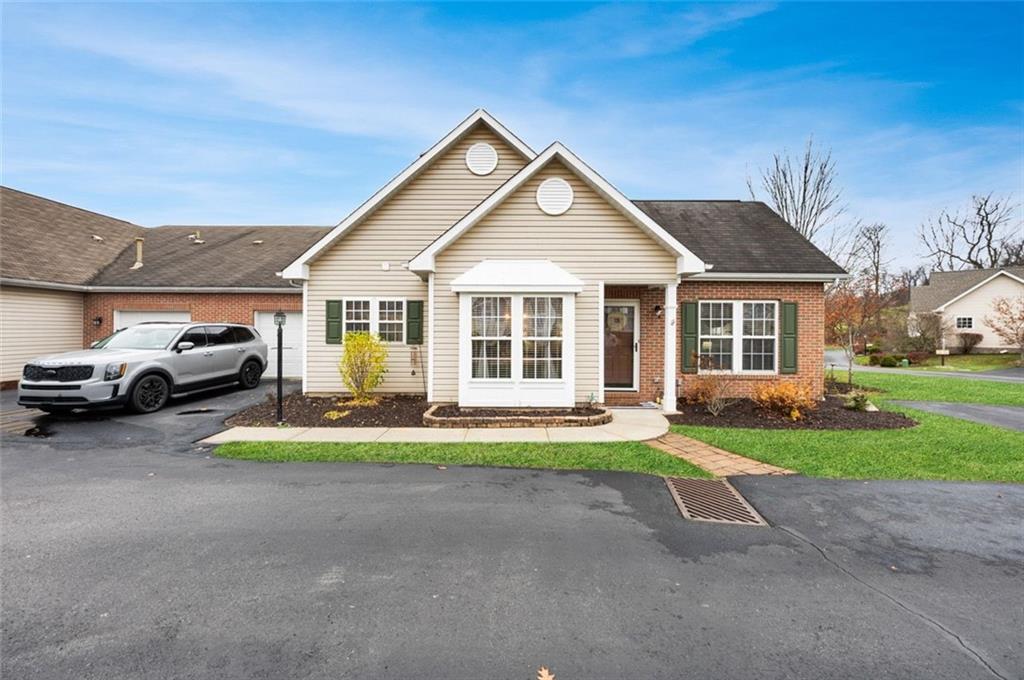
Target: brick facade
x,y
232,307
810,299
810,341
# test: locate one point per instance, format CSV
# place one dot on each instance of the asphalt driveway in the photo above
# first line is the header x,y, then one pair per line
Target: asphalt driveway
x,y
129,553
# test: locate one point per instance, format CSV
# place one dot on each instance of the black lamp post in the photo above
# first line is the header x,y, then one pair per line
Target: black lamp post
x,y
279,319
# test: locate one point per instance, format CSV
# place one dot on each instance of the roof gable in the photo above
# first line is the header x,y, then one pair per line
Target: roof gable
x,y
299,268
687,262
944,288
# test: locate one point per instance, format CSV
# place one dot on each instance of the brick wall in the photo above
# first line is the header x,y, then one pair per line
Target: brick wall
x,y
810,299
233,307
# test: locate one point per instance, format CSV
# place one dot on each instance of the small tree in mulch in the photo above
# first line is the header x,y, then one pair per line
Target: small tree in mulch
x,y
362,366
709,388
968,341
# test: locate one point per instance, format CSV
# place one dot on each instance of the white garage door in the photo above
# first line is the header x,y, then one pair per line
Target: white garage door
x,y
126,317
292,346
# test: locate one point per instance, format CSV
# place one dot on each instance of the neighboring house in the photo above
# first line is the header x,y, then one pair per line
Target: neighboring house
x,y
964,299
69,277
503,277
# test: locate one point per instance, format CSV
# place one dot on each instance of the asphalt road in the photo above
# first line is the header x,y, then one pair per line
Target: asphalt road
x,y
128,553
1010,417
836,358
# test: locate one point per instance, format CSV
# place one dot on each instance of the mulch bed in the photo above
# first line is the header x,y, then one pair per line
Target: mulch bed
x,y
830,415
402,410
453,411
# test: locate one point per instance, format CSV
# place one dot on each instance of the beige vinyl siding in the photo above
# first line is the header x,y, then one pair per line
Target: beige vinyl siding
x,y
593,240
395,232
977,305
34,322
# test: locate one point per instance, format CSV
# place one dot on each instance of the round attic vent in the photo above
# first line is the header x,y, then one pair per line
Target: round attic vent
x,y
554,196
481,159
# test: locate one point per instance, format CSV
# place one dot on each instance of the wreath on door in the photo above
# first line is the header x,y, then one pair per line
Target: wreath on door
x,y
616,321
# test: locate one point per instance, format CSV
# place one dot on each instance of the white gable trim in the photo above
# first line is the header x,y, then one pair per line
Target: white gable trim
x,y
976,287
299,269
686,261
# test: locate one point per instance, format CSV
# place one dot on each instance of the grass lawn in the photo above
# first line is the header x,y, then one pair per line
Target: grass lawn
x,y
625,456
939,448
960,362
931,388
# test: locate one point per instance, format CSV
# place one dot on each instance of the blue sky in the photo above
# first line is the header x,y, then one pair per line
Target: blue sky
x,y
296,113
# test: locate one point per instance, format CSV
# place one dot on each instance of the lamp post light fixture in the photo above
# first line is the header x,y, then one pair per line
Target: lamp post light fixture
x,y
279,320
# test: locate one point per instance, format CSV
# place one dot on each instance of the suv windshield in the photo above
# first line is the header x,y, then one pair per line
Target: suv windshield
x,y
139,337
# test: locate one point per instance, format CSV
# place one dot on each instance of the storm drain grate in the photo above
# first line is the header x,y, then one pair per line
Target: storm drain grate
x,y
712,500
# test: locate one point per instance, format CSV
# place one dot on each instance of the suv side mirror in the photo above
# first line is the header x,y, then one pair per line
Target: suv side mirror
x,y
184,346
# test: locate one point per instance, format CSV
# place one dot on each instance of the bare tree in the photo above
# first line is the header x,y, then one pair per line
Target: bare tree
x,y
873,240
981,237
803,190
1007,321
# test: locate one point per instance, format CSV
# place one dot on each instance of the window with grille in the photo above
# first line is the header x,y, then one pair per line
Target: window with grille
x,y
716,334
491,336
964,322
357,316
758,336
391,320
542,338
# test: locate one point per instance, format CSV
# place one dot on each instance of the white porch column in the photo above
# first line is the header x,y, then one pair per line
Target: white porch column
x,y
668,402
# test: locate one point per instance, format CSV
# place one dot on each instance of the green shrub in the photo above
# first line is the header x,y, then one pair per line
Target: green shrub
x,y
888,362
362,365
875,359
856,401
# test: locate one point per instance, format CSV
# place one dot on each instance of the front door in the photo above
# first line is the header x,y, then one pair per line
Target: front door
x,y
621,344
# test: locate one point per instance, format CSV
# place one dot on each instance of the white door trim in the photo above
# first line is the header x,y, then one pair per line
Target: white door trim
x,y
635,304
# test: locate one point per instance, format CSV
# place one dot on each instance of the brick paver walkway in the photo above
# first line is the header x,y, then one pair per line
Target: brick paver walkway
x,y
716,461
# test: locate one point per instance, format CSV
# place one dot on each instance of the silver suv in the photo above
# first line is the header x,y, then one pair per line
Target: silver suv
x,y
143,366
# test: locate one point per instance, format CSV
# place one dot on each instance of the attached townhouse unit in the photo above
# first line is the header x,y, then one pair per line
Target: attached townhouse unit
x,y
69,277
964,300
503,277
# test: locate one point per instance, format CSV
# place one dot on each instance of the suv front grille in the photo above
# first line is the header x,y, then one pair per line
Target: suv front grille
x,y
59,373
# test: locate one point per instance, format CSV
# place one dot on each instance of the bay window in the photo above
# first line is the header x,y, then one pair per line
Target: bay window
x,y
738,336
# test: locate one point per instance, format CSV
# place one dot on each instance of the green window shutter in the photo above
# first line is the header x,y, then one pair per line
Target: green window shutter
x,y
414,322
689,337
788,338
334,322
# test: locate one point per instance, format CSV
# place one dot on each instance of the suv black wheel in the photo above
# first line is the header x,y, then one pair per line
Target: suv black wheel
x,y
150,394
250,374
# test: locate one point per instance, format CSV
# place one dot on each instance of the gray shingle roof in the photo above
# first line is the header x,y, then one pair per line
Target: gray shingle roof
x,y
46,241
944,286
739,237
227,258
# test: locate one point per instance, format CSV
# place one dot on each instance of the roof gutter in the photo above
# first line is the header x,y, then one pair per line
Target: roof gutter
x,y
769,276
48,285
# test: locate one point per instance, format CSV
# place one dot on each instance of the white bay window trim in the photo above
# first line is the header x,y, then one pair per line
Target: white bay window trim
x,y
516,390
374,319
737,337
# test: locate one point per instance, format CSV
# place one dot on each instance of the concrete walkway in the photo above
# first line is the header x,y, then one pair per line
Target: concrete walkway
x,y
627,425
837,358
717,461
1010,417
